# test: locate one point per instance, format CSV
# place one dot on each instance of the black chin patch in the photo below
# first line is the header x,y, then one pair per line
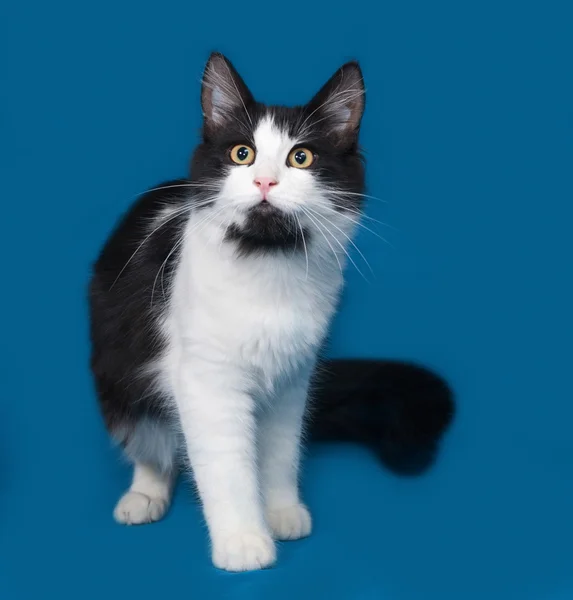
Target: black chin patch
x,y
267,229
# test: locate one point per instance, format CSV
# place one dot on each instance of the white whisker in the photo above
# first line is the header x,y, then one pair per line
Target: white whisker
x,y
346,193
304,244
340,244
223,236
162,268
178,243
365,227
178,213
324,236
360,214
211,187
344,234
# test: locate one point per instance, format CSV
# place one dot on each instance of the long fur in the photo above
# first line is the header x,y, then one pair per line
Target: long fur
x,y
399,410
209,306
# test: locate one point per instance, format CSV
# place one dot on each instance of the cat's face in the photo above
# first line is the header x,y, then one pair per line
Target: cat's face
x,y
280,178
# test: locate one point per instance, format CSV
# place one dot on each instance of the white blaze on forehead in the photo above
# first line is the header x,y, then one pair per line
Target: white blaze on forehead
x,y
272,146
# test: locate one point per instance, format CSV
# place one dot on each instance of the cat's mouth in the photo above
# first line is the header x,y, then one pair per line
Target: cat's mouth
x,y
265,209
265,227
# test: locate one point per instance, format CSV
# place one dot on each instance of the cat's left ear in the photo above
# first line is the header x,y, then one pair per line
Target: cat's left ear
x,y
340,103
224,94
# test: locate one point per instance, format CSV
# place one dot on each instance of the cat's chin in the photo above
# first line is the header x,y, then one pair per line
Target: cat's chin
x,y
264,229
265,210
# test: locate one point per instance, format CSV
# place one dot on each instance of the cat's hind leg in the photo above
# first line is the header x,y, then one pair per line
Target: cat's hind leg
x,y
152,448
148,497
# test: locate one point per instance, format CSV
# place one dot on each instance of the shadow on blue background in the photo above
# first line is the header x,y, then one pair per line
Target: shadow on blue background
x,y
468,134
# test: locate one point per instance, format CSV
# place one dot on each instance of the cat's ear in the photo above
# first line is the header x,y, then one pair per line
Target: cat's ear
x,y
339,104
223,93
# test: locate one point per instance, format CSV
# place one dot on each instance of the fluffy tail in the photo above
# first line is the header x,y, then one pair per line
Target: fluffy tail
x,y
399,410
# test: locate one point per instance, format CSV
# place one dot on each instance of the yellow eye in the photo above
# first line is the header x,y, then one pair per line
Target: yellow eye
x,y
301,158
242,155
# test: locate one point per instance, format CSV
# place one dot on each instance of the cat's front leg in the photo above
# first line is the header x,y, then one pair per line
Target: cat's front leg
x,y
280,429
219,428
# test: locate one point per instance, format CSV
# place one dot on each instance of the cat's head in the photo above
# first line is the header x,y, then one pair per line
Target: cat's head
x,y
280,178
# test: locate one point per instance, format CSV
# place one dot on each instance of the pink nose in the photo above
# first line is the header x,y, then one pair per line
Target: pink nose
x,y
265,184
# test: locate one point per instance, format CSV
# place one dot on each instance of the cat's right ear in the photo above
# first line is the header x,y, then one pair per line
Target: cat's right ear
x,y
224,95
340,103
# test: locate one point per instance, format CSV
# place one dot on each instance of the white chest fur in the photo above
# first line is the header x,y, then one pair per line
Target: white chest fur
x,y
266,315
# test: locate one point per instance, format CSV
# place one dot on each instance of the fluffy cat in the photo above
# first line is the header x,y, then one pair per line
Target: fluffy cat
x,y
210,303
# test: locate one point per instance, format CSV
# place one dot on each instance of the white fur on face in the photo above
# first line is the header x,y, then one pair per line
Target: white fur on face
x,y
297,192
272,147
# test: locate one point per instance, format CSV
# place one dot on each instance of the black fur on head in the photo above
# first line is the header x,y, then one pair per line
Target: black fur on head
x,y
328,126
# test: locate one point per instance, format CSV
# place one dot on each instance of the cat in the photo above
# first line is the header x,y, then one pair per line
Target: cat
x,y
210,303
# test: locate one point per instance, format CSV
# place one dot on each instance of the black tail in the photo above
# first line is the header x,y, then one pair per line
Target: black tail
x,y
399,410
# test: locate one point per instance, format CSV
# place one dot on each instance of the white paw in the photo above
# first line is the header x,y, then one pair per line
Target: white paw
x,y
291,523
135,508
245,551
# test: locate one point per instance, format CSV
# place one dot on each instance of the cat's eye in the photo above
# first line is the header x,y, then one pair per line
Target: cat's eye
x,y
301,158
242,155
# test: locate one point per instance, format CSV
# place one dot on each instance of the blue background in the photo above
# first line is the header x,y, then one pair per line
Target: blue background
x,y
468,134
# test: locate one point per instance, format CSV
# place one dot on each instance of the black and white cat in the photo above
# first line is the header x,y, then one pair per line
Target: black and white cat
x,y
210,303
